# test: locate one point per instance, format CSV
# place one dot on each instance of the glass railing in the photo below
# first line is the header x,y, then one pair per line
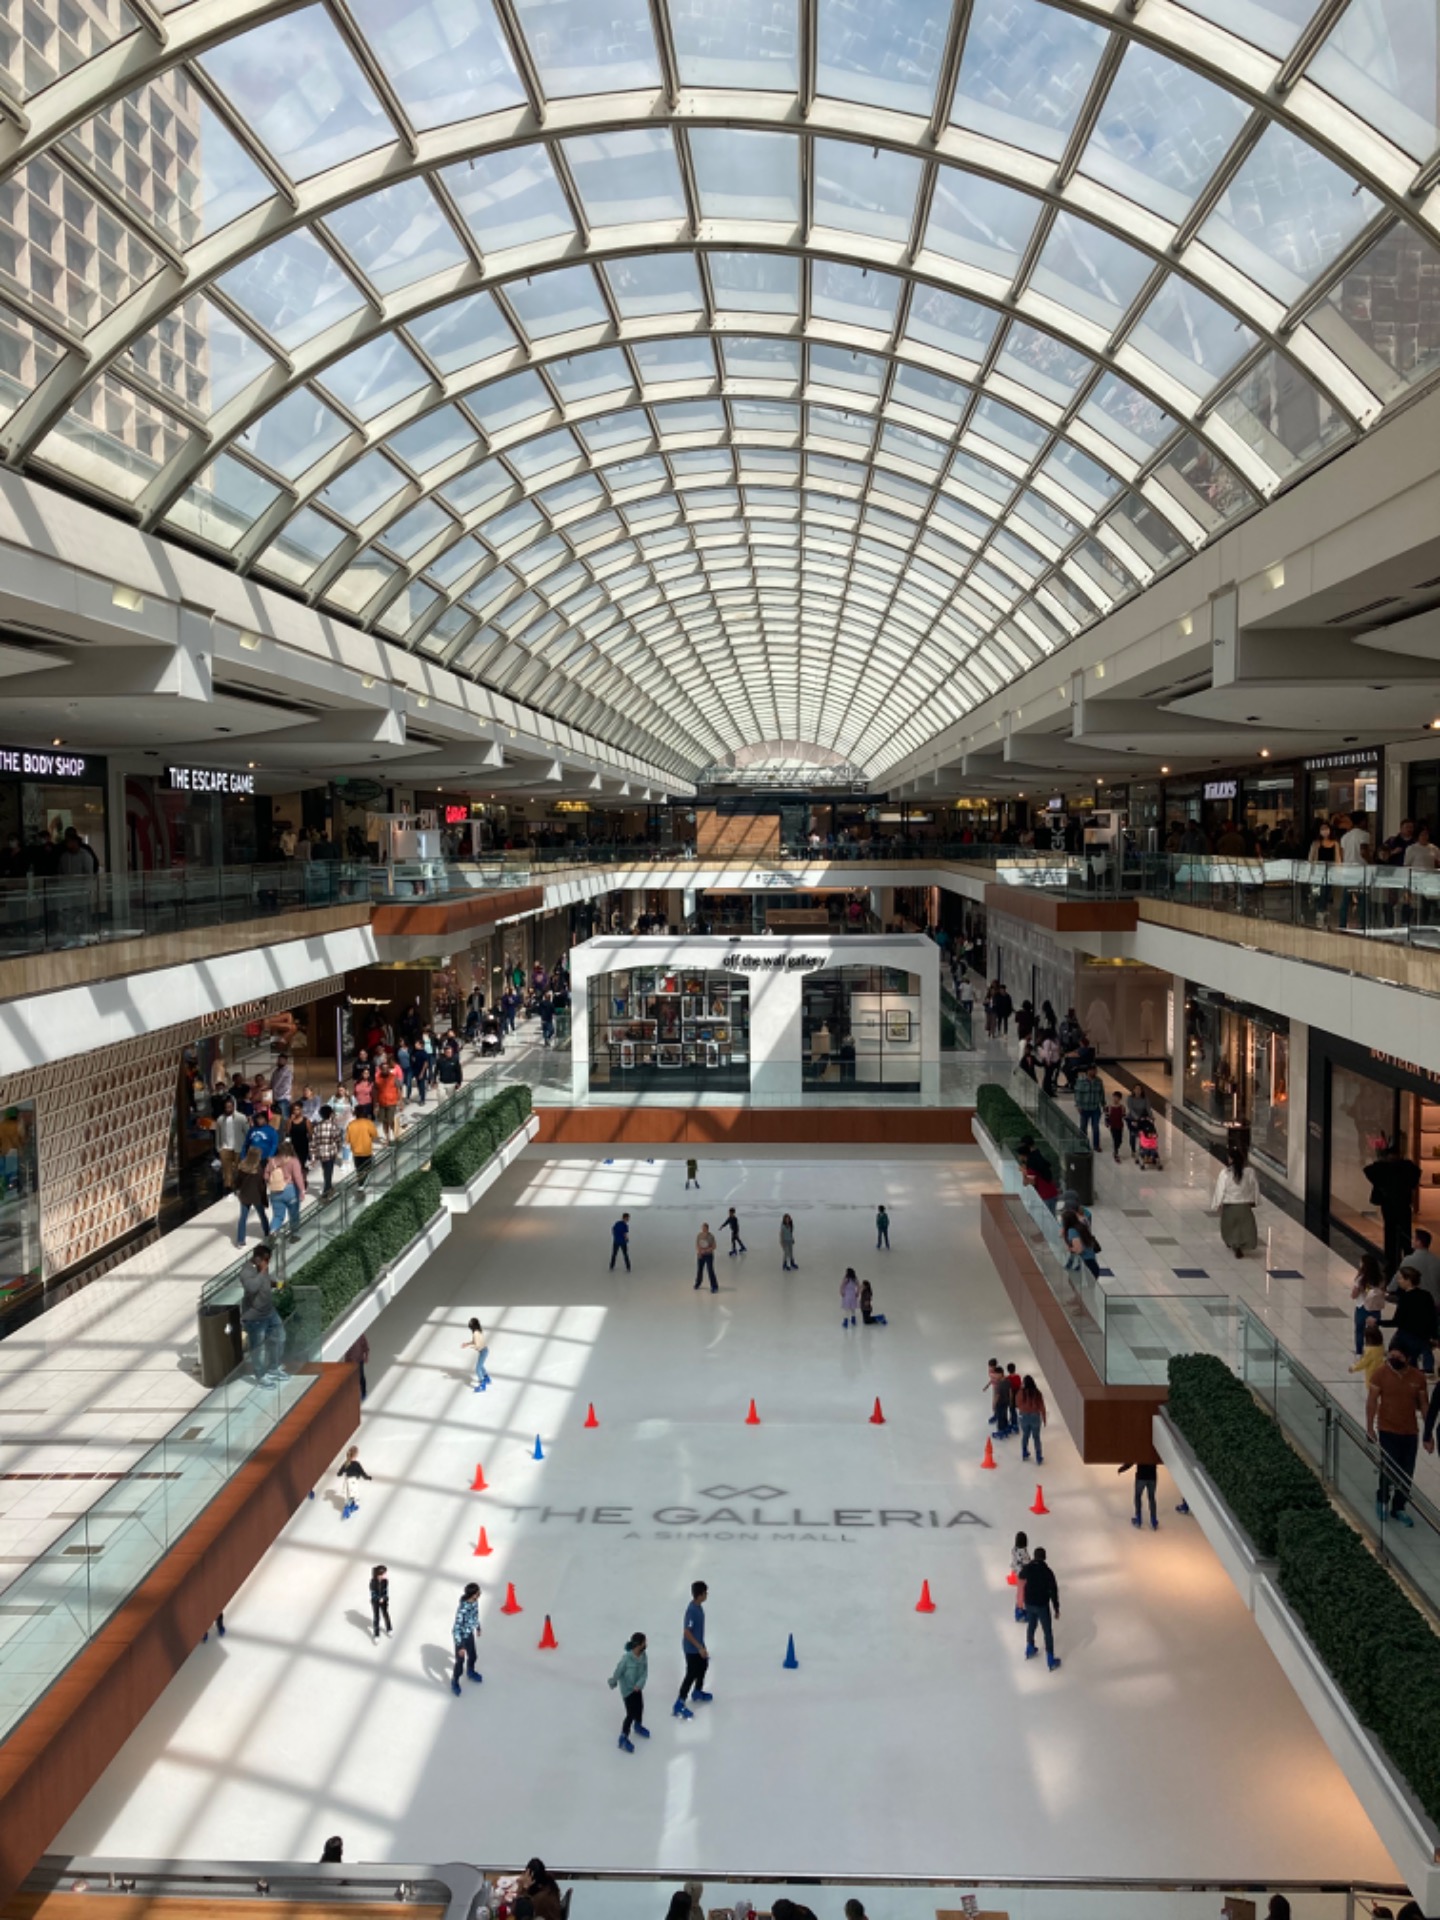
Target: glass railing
x,y
56,1606
1349,1464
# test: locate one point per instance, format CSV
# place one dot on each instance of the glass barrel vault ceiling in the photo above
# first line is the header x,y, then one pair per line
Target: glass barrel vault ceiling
x,y
712,371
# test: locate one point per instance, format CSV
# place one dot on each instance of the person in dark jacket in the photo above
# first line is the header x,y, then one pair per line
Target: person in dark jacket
x,y
380,1599
1414,1321
1147,1478
1042,1598
334,1854
1394,1181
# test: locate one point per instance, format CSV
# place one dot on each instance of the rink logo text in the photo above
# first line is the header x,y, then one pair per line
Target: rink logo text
x,y
729,1521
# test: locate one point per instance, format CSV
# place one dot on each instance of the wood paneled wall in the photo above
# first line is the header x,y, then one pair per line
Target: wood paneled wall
x,y
756,1126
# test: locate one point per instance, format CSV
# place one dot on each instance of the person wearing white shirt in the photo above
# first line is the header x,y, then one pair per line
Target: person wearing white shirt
x,y
1236,1196
1423,853
1357,849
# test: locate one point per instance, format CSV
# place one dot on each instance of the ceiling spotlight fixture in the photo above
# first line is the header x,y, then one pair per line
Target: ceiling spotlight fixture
x,y
252,763
57,741
1264,753
1164,769
250,642
1435,726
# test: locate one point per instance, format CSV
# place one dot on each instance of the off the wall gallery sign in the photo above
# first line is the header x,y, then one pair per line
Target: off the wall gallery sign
x,y
772,962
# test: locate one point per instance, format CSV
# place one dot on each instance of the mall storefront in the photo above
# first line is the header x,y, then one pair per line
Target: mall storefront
x,y
1359,1100
1235,1073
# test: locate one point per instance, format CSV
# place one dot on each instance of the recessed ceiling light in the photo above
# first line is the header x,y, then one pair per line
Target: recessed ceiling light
x,y
250,642
1264,753
1435,726
252,763
1164,769
128,598
57,741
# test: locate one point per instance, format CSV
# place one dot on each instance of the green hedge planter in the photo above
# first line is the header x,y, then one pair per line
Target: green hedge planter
x,y
1005,1120
1378,1647
469,1147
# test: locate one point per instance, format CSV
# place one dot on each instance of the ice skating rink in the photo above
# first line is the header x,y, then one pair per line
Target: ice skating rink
x,y
1168,1744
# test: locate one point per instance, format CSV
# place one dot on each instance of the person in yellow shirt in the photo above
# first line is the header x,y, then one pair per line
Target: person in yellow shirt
x,y
1372,1354
360,1137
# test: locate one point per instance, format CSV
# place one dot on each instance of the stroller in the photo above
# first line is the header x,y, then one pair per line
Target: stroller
x,y
1148,1143
492,1041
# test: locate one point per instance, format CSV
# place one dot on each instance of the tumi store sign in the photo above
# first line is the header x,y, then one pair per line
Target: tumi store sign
x,y
751,1514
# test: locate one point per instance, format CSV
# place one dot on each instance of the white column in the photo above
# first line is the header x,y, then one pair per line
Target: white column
x,y
775,1044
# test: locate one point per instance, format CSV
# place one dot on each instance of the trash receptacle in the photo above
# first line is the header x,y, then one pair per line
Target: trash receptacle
x,y
1077,1170
221,1344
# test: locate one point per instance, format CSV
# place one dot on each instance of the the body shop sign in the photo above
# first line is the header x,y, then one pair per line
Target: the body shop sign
x,y
31,763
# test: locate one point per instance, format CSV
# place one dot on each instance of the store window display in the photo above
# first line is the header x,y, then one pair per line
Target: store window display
x,y
670,1030
860,1027
1237,1070
20,1254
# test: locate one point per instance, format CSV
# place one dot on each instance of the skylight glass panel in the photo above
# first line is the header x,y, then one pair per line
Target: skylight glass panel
x,y
615,430
446,59
1287,214
1147,533
862,189
1081,476
845,367
294,434
951,322
736,43
626,176
763,416
661,361
1025,73
1131,419
417,529
644,284
567,495
456,562
1007,428
362,580
755,282
1044,364
979,222
1273,25
856,296
585,375
1089,272
581,48
978,474
745,175
375,377
756,358
1161,133
1399,273
360,490
171,159
505,403
557,302
510,198
433,439
918,448
294,290
306,540
398,236
929,392
81,259
1190,336
1383,62
196,353
886,54
471,490
538,456
26,356
464,333
1209,489
295,83
224,502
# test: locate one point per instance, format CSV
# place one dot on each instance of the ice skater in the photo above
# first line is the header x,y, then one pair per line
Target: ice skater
x,y
697,1654
998,1387
1029,1404
350,1470
705,1257
476,1343
787,1246
692,1179
464,1633
1042,1596
849,1297
737,1245
620,1242
867,1307
632,1670
1147,1477
882,1228
380,1599
1019,1561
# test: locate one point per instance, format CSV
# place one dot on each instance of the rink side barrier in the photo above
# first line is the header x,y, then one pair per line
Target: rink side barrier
x,y
756,1126
1109,1425
62,1746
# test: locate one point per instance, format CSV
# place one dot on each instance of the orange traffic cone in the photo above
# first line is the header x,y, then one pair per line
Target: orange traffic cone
x,y
482,1546
752,1418
1012,1579
989,1460
1039,1506
512,1605
590,1419
925,1604
877,1418
477,1485
547,1638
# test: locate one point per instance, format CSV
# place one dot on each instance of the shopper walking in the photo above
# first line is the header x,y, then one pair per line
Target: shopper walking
x,y
476,1343
1395,1405
1236,1196
464,1633
232,1130
1147,1478
849,1298
387,1099
1394,1182
882,1228
260,1318
787,1245
1114,1117
1042,1598
380,1599
1368,1288
253,1194
620,1242
737,1245
1137,1115
1083,1247
1414,1321
1090,1104
360,1137
705,1257
632,1670
1030,1407
692,1175
325,1143
696,1652
285,1200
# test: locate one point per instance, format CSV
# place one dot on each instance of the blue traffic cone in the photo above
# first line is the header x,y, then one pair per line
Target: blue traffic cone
x,y
790,1660
538,1454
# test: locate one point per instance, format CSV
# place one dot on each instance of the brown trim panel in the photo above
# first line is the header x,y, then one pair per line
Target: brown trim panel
x,y
63,1745
1110,1425
756,1126
456,913
1059,914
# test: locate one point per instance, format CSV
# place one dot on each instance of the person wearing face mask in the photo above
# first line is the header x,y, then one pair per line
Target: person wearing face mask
x,y
1395,1405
